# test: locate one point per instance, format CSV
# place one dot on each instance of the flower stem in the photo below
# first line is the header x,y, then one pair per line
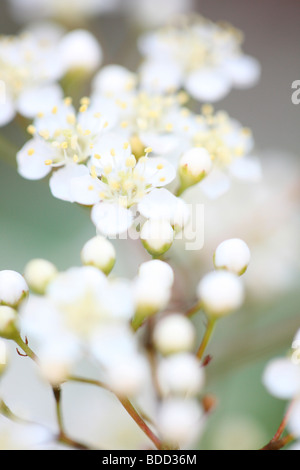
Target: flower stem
x,y
207,337
127,405
279,444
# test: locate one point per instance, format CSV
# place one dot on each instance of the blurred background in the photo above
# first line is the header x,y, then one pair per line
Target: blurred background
x,y
34,224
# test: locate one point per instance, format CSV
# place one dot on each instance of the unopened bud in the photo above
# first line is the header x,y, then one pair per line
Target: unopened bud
x,y
100,253
233,255
13,288
157,236
221,293
194,165
38,274
173,334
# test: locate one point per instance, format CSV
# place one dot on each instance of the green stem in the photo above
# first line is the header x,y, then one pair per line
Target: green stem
x,y
207,337
26,348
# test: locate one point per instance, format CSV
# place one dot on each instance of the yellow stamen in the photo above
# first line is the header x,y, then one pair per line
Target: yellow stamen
x,y
31,152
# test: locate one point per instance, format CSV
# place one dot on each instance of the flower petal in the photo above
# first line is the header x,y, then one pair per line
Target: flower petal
x,y
31,160
244,71
215,184
86,190
114,79
61,181
111,219
7,108
208,85
157,171
246,169
160,77
39,100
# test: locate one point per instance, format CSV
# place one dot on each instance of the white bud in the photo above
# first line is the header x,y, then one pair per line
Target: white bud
x,y
180,374
38,274
174,333
157,236
80,50
194,165
114,79
127,377
233,255
150,297
8,322
157,270
179,421
100,253
221,293
13,288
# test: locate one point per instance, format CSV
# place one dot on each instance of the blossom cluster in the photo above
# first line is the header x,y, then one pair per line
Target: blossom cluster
x,y
129,151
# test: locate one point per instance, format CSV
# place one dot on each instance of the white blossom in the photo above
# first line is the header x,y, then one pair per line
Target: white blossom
x,y
203,57
157,236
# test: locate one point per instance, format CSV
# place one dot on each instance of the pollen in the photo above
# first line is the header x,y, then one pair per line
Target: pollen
x,y
113,152
124,124
160,166
115,185
87,132
31,130
91,188
68,101
83,108
162,180
48,162
75,159
148,150
93,172
207,109
31,152
97,115
40,115
108,170
97,156
169,127
85,101
126,146
131,162
44,134
64,145
106,125
54,110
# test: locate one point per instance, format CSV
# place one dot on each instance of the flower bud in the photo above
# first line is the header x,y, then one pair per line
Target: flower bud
x,y
79,49
38,274
100,253
180,374
13,288
233,255
221,293
174,333
8,322
150,297
179,421
157,270
157,236
194,165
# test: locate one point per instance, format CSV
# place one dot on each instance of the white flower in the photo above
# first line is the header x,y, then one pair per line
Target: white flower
x,y
173,334
38,273
233,255
152,13
125,185
179,421
79,50
13,288
180,374
70,11
145,119
203,57
29,70
221,293
8,322
79,304
61,137
157,236
100,253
